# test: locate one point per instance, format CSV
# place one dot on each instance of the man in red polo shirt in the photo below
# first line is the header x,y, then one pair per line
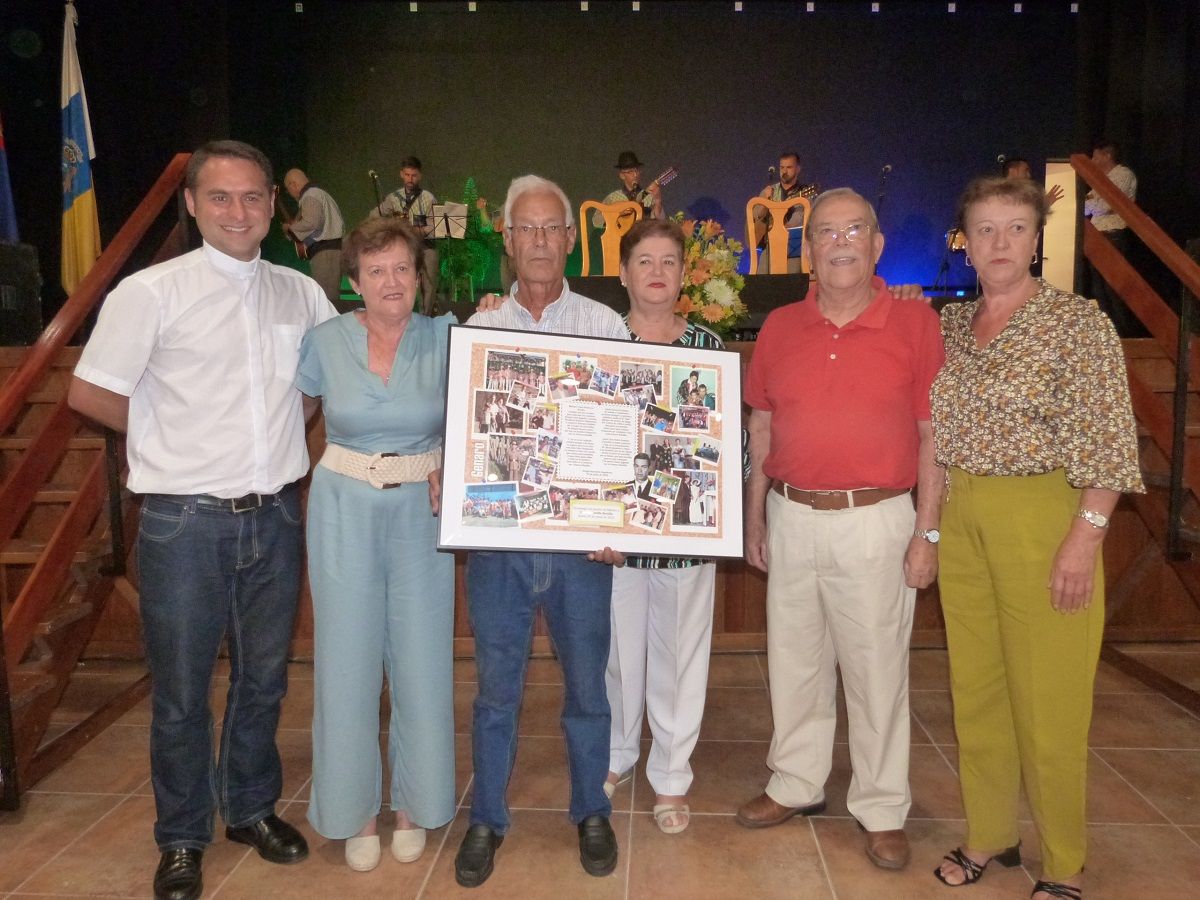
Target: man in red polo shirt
x,y
839,436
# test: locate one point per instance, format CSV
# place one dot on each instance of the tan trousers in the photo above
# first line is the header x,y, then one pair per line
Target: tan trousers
x,y
1021,673
326,268
764,263
836,598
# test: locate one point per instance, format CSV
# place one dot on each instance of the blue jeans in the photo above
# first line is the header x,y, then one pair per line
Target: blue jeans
x,y
503,591
207,574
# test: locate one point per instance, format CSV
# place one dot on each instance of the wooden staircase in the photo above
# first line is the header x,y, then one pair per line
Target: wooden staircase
x,y
56,564
1155,595
1152,597
62,544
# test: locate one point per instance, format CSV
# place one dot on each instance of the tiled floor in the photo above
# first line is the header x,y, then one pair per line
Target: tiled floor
x,y
86,830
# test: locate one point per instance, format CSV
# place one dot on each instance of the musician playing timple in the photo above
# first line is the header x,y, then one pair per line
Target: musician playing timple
x,y
786,188
629,170
416,205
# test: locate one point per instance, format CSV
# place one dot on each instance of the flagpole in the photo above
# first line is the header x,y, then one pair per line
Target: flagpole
x,y
80,223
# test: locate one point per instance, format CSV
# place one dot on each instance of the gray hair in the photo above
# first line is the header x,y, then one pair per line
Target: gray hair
x,y
529,183
847,194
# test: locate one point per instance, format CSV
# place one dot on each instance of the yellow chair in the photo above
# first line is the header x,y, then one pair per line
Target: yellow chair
x,y
618,219
777,233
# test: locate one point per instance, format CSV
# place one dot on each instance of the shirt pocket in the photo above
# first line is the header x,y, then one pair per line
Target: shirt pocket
x,y
286,340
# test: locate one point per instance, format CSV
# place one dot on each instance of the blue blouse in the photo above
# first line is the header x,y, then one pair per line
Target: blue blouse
x,y
407,414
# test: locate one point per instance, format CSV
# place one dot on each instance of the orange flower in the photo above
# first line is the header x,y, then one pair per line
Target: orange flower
x,y
683,305
688,226
713,312
700,272
712,229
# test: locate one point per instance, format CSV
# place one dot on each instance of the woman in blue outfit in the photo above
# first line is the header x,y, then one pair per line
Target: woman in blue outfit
x,y
383,596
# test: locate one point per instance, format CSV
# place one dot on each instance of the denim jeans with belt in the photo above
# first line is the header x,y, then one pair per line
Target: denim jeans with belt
x,y
503,591
208,574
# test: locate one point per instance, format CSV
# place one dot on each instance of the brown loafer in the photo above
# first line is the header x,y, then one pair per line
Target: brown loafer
x,y
763,812
888,849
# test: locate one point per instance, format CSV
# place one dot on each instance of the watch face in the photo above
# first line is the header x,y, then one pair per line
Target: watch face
x,y
932,535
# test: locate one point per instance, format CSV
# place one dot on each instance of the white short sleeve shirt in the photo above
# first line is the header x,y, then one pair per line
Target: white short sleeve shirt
x,y
206,348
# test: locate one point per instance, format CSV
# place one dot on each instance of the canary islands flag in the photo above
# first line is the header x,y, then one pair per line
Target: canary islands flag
x,y
80,225
8,212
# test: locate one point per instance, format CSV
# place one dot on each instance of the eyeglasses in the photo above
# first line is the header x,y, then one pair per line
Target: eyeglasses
x,y
550,232
851,233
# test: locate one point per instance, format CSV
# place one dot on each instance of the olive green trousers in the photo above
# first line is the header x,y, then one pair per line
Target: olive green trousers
x,y
1021,673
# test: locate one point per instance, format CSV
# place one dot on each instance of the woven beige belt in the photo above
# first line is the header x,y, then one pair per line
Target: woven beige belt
x,y
381,470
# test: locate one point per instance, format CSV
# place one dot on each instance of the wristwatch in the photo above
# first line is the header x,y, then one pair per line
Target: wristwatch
x,y
932,535
1093,518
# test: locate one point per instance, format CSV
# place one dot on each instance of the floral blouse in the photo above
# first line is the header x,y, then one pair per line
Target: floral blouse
x,y
1049,392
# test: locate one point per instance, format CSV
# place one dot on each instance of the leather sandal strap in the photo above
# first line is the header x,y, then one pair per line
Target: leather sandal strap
x,y
1058,889
972,871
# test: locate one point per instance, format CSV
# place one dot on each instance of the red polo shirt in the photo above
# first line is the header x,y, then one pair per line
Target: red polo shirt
x,y
845,402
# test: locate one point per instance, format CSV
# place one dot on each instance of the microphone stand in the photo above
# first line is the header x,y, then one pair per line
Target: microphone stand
x,y
378,197
883,174
942,278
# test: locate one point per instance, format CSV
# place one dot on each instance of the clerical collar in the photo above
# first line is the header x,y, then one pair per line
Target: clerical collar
x,y
238,268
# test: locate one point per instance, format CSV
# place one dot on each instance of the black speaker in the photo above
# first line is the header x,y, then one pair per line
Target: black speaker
x,y
20,295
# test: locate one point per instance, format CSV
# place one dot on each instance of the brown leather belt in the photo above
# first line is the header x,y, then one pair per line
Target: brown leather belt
x,y
833,500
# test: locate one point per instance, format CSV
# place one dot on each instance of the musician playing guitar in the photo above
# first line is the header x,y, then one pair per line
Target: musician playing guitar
x,y
786,188
412,202
629,170
316,230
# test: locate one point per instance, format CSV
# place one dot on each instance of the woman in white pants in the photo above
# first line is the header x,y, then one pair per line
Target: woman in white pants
x,y
662,607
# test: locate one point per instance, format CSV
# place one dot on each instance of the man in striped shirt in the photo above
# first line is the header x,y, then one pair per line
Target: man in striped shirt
x,y
505,588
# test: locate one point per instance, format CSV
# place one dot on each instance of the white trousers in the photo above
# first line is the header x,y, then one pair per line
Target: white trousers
x,y
836,598
658,660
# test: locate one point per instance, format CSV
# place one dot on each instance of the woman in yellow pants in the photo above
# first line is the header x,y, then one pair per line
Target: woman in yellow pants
x,y
1032,419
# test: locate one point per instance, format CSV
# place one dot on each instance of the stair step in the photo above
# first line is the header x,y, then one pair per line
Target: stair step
x,y
75,443
52,395
1191,429
55,493
1189,533
22,552
26,685
66,358
1156,479
63,615
1142,348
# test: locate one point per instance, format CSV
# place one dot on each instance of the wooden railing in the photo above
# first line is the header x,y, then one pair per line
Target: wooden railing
x,y
88,294
1154,313
1157,240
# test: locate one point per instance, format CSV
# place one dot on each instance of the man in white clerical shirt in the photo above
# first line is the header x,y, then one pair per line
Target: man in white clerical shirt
x,y
195,360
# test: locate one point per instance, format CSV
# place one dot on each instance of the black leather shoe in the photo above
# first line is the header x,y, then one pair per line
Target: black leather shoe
x,y
597,846
476,855
275,840
178,875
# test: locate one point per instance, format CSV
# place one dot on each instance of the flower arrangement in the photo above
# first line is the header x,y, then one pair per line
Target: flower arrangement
x,y
712,287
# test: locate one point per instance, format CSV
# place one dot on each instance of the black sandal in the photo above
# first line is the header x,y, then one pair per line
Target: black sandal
x,y
973,871
1058,889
